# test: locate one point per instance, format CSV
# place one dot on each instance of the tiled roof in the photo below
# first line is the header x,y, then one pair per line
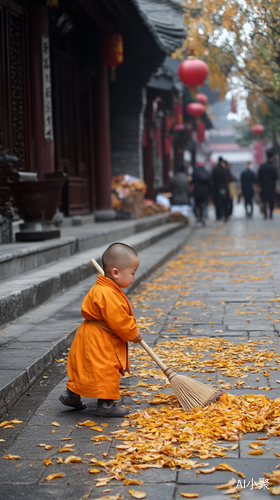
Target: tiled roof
x,y
165,18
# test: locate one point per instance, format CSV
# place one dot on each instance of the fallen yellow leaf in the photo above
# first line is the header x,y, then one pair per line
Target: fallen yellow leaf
x,y
97,428
275,490
225,467
137,494
48,462
225,486
189,495
56,424
73,459
255,452
12,457
54,476
101,437
46,446
128,482
241,474
208,471
87,423
94,471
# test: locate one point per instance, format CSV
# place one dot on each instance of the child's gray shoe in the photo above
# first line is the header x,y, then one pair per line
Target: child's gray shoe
x,y
69,398
110,409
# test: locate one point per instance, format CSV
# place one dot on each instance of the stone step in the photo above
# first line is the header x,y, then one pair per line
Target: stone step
x,y
21,294
19,258
29,345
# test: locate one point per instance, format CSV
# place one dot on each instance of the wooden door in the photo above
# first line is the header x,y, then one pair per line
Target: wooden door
x,y
72,132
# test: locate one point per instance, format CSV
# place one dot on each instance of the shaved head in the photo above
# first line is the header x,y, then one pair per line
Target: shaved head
x,y
118,255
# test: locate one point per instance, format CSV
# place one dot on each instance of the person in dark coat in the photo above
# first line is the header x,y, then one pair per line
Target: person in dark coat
x,y
267,178
202,189
248,180
221,178
179,187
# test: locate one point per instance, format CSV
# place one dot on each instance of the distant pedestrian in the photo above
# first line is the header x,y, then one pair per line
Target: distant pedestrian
x,y
232,188
179,187
202,189
221,179
267,178
248,181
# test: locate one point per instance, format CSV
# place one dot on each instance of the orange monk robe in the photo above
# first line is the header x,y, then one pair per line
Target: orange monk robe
x,y
97,357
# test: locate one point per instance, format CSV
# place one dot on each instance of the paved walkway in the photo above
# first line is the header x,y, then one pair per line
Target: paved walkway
x,y
213,313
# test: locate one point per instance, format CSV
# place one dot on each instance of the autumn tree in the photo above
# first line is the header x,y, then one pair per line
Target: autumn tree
x,y
239,40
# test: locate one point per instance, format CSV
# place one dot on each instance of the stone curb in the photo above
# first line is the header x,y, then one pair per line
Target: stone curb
x,y
152,258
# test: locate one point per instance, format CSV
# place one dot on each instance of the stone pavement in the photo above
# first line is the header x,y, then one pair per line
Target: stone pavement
x,y
222,286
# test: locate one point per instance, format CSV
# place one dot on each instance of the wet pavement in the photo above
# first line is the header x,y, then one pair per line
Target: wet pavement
x,y
222,290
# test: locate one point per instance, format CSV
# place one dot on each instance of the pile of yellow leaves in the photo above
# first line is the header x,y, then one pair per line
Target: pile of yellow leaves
x,y
169,437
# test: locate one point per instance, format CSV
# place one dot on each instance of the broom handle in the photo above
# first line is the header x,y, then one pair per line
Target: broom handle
x,y
97,266
153,355
142,342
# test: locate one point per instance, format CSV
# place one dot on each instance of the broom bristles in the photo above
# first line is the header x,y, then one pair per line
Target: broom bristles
x,y
191,393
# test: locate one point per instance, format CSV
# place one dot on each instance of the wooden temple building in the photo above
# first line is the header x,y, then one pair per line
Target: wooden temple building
x,y
62,111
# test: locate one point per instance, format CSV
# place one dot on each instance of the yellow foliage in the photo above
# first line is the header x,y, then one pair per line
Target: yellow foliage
x,y
231,47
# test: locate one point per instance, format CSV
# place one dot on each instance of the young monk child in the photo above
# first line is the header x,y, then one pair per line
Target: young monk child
x,y
99,352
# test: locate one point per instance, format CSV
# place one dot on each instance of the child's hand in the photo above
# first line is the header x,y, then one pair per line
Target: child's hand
x,y
138,338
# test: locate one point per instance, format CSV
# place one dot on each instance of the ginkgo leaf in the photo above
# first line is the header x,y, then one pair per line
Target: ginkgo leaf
x,y
241,474
101,437
48,462
94,471
255,452
12,457
54,476
225,467
190,495
231,483
56,424
207,471
97,428
46,446
73,459
128,482
137,494
87,423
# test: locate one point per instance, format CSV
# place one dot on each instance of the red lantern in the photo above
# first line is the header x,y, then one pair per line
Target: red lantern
x,y
112,50
202,98
257,130
201,132
193,72
195,109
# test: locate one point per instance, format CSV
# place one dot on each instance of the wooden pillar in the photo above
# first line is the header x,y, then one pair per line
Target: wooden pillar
x,y
149,160
42,148
104,209
166,161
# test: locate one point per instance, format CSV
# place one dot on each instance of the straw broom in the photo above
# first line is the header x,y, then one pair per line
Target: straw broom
x,y
189,392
